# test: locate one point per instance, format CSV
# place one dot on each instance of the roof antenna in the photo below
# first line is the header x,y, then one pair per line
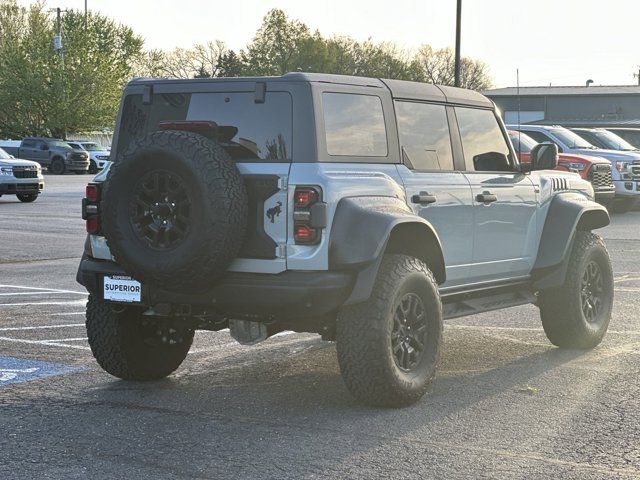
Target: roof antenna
x,y
518,96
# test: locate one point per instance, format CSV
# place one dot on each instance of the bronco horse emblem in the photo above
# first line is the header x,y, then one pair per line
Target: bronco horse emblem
x,y
274,212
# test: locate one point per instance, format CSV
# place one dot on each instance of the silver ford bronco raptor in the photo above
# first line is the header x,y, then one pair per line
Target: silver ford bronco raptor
x,y
365,210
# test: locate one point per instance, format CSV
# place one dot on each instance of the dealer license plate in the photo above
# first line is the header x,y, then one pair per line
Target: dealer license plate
x,y
121,289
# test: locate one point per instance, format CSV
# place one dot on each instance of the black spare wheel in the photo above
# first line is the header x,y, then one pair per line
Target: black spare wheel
x,y
174,210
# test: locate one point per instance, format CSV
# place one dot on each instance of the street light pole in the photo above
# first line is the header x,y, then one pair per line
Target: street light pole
x,y
57,45
458,28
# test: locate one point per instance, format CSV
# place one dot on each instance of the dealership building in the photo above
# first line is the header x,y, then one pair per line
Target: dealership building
x,y
585,106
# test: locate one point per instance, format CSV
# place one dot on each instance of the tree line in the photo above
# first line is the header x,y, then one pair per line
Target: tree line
x,y
41,96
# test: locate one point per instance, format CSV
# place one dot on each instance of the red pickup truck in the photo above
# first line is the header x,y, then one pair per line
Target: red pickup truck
x,y
596,170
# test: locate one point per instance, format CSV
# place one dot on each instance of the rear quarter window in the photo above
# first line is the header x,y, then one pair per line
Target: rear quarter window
x,y
354,125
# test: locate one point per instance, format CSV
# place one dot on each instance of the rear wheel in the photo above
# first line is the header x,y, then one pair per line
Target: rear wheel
x,y
57,166
130,346
27,197
577,314
388,347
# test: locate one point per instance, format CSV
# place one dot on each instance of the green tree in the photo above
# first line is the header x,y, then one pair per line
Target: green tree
x,y
38,96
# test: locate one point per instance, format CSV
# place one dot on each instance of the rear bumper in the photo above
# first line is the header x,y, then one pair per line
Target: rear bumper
x,y
290,295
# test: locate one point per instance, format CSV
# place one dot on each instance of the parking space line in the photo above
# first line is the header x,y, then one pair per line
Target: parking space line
x,y
79,339
21,287
71,302
12,294
70,313
39,342
38,327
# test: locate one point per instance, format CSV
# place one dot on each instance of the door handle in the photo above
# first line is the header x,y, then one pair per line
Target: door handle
x,y
486,197
424,198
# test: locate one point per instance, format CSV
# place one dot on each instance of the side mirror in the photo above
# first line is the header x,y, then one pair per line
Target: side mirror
x,y
491,162
544,156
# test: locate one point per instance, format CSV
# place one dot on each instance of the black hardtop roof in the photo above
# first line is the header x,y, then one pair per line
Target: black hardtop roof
x,y
399,88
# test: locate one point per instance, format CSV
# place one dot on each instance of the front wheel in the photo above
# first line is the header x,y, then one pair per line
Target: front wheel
x,y
57,166
577,314
27,197
130,346
388,347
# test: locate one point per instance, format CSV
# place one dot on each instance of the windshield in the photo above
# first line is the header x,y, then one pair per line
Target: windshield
x,y
58,143
612,141
572,140
4,155
92,147
522,142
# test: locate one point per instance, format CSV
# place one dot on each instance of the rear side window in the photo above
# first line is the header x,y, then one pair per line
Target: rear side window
x,y
29,143
354,125
480,134
424,135
249,131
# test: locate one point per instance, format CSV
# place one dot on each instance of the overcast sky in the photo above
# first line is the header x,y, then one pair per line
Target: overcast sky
x,y
562,42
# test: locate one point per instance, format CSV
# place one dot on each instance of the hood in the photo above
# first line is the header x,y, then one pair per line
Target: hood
x,y
611,155
18,162
573,157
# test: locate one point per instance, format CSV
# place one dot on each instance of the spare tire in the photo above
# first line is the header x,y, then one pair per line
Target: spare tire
x,y
174,210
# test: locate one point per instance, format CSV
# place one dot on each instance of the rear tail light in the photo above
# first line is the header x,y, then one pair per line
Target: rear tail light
x,y
93,224
92,192
91,208
309,215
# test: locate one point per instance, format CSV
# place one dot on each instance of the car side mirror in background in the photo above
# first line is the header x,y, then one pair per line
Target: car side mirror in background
x,y
544,156
491,162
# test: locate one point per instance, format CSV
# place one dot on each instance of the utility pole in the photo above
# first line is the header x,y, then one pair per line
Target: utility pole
x,y
458,28
57,45
637,75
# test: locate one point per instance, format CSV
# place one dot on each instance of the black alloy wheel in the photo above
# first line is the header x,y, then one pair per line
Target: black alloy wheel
x,y
160,210
592,291
408,336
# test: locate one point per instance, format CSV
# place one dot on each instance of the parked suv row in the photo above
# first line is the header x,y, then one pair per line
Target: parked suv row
x,y
596,170
626,164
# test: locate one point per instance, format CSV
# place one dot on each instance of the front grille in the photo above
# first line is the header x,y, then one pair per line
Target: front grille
x,y
25,172
635,171
600,177
78,156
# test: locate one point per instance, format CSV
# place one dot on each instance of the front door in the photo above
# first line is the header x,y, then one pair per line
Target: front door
x,y
505,202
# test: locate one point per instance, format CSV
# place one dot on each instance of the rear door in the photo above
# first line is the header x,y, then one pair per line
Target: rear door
x,y
505,202
255,128
435,190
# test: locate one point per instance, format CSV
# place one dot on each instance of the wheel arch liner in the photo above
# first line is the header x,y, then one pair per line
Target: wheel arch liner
x,y
567,213
365,227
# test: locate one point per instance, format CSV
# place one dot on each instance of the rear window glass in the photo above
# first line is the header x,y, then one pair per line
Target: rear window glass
x,y
354,125
253,132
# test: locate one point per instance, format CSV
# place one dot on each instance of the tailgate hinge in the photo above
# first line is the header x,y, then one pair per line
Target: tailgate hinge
x,y
283,182
281,251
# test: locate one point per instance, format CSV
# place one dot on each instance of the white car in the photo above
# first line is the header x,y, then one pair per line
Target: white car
x,y
98,155
22,178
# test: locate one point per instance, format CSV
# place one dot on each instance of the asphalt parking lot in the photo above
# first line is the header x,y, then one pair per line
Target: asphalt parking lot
x,y
506,403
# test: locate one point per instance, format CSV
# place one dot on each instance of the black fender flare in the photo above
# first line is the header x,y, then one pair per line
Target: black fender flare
x,y
364,228
568,213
